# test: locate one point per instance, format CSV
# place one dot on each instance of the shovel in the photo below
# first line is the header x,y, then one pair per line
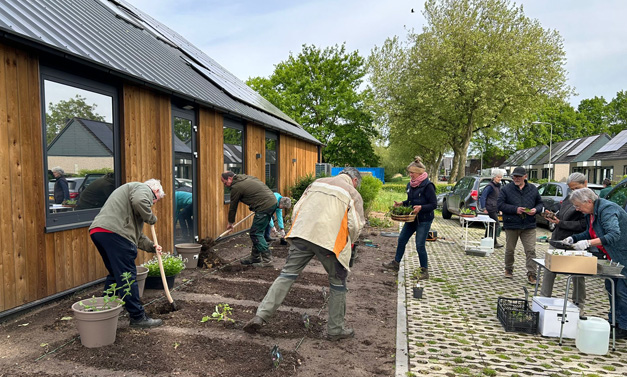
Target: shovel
x,y
230,230
163,280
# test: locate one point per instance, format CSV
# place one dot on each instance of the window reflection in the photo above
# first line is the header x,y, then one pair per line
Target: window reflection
x,y
183,181
271,162
79,147
233,155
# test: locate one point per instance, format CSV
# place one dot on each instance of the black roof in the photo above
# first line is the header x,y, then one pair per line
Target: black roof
x,y
116,36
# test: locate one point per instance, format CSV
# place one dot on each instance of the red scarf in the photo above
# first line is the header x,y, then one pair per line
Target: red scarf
x,y
593,235
416,182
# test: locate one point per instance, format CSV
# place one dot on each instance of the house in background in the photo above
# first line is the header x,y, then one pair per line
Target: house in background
x,y
578,159
610,161
524,157
168,110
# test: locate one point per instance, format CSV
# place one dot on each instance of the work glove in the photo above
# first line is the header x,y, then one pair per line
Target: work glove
x,y
582,245
282,233
568,241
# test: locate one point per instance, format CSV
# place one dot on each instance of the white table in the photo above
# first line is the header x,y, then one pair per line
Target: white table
x,y
476,245
542,267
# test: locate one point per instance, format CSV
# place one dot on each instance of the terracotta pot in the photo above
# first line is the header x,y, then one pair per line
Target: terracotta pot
x,y
96,328
142,273
189,252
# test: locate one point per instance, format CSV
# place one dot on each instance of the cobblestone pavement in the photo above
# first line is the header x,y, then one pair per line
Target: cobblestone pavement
x,y
454,331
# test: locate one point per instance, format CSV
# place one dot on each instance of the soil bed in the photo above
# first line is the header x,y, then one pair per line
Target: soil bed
x,y
44,341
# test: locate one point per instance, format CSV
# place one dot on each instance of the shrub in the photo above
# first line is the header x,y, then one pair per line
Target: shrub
x,y
297,190
395,187
369,189
172,265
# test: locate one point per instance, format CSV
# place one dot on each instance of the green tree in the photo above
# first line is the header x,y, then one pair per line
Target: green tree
x,y
596,111
320,89
477,64
617,110
63,111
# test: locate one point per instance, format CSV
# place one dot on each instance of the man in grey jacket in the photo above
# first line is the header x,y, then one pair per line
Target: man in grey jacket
x,y
117,232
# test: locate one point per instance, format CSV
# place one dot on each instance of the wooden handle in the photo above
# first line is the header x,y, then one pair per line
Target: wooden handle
x,y
236,224
163,279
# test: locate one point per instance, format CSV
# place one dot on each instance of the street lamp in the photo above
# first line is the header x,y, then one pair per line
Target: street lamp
x,y
550,145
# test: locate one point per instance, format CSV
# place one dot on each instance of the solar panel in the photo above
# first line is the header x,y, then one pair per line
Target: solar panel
x,y
558,153
614,144
587,141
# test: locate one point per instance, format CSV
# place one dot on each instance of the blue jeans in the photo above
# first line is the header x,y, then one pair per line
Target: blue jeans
x,y
422,231
620,300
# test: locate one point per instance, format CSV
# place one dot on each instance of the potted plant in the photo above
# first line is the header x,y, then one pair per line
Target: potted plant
x,y
172,266
401,213
466,212
97,317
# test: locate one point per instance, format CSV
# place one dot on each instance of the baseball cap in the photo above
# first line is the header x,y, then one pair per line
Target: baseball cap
x,y
520,171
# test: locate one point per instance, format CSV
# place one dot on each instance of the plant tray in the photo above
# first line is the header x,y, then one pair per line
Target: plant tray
x,y
603,267
516,316
466,215
403,218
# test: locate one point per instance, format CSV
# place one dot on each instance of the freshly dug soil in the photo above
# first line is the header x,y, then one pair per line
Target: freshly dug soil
x,y
44,341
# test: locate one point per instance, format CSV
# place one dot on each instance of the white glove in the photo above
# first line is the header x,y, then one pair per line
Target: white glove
x,y
282,233
581,245
568,241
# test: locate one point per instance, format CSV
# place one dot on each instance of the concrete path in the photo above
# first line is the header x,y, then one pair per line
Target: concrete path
x,y
454,331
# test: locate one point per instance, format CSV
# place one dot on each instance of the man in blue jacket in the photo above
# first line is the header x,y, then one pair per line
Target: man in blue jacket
x,y
519,202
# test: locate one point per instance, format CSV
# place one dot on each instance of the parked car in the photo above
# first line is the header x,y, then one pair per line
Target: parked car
x,y
182,184
442,195
618,194
553,194
466,194
76,185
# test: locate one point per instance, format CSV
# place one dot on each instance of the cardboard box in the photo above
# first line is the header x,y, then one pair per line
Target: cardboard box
x,y
571,264
550,317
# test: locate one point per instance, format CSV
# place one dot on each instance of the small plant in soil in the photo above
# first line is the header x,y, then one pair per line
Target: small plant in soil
x,y
111,298
379,223
401,211
221,313
172,265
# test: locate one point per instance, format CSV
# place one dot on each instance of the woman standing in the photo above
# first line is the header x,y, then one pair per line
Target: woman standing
x,y
568,221
488,201
421,196
607,230
61,189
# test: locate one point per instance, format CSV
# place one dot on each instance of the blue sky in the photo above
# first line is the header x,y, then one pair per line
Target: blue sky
x,y
249,38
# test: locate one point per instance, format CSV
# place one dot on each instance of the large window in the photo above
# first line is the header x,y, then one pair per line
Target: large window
x,y
184,139
80,147
272,174
233,150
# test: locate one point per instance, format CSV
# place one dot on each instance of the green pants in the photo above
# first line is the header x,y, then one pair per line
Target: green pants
x,y
300,254
257,230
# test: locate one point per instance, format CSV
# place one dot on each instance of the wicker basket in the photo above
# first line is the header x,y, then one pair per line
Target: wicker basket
x,y
404,218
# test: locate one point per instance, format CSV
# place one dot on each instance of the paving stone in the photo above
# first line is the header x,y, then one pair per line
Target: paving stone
x,y
454,331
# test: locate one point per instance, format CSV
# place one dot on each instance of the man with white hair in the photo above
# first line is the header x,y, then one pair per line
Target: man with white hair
x,y
117,232
61,188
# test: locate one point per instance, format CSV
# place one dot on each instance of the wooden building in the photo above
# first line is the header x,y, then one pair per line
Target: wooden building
x,y
153,93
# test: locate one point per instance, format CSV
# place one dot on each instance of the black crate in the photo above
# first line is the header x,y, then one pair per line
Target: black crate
x,y
515,315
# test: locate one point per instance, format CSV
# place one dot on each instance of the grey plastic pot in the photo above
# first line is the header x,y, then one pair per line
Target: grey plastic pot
x,y
142,273
189,252
96,328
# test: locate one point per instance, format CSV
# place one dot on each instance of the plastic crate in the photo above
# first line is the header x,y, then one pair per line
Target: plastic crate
x,y
516,315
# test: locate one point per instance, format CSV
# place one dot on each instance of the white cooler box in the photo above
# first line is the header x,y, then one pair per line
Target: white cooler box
x,y
550,320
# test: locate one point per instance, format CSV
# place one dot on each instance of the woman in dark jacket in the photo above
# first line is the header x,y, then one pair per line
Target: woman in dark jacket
x,y
61,189
421,196
488,201
568,221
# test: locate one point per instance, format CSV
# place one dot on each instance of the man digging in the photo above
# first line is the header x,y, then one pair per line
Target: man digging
x,y
327,220
260,199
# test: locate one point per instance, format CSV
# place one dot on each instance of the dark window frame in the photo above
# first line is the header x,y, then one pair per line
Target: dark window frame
x,y
273,136
192,116
56,222
237,124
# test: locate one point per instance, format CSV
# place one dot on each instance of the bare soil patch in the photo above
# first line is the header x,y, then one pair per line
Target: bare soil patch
x,y
44,341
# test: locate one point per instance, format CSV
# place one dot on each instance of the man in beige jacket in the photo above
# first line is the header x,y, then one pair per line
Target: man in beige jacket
x,y
327,219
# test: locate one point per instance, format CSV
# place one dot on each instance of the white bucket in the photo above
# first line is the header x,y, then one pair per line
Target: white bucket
x,y
593,335
487,243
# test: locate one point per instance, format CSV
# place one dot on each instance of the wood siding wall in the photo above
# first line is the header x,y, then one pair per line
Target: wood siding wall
x,y
306,156
34,264
147,153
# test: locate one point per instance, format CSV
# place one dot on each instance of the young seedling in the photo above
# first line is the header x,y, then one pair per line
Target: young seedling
x,y
111,297
222,313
